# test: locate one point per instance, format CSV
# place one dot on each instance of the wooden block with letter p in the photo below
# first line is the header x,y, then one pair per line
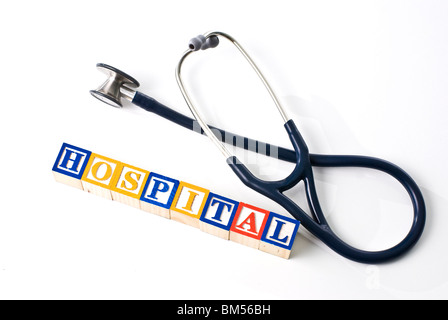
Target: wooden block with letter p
x,y
70,165
188,204
279,234
248,225
99,175
158,194
217,215
128,184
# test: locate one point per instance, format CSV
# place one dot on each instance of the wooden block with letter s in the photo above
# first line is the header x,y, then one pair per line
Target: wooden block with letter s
x,y
128,184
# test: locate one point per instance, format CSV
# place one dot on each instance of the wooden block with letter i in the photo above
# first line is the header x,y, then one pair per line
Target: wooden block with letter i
x,y
188,204
99,175
248,225
70,165
128,184
217,215
279,234
158,194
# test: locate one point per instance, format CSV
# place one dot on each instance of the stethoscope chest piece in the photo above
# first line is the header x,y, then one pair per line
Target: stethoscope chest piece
x,y
110,91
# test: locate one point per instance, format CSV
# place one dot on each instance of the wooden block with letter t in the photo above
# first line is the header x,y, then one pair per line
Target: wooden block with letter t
x,y
279,234
248,225
99,175
217,215
70,165
128,184
188,204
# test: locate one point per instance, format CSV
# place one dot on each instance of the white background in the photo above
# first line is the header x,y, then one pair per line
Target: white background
x,y
358,77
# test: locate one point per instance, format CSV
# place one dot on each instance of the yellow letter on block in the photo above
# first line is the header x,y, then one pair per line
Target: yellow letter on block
x,y
188,204
128,184
99,175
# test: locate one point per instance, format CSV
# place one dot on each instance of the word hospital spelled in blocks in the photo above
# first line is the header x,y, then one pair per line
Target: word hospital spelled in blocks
x,y
177,200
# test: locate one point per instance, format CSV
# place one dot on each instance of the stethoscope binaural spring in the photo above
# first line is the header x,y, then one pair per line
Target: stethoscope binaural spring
x,y
119,84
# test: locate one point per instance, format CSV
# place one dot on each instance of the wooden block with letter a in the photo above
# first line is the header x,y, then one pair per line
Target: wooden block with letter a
x,y
188,204
70,165
279,234
128,184
158,194
217,215
99,175
248,225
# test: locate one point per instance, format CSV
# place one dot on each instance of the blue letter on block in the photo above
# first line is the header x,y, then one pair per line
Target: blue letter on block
x,y
71,161
159,190
280,230
219,211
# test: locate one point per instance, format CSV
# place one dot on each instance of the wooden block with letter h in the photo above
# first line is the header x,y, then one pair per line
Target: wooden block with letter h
x,y
70,165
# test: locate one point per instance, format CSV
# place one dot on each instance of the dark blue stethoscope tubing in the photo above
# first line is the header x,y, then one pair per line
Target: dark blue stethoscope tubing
x,y
316,224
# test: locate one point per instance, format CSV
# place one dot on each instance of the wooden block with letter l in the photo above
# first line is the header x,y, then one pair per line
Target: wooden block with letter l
x,y
248,225
158,194
217,215
70,165
188,204
100,175
128,184
279,234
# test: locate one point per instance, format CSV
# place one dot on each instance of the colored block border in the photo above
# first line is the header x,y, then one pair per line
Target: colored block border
x,y
273,215
68,173
216,224
161,177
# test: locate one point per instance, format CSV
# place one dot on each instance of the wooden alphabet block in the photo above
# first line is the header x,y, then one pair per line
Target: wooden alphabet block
x,y
100,175
248,225
128,184
279,234
188,204
217,215
176,200
70,165
158,194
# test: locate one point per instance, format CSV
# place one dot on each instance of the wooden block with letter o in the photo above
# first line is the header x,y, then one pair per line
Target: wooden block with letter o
x,y
100,175
188,204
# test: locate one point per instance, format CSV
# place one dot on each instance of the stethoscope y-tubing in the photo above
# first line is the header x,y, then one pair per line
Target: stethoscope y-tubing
x,y
150,104
316,224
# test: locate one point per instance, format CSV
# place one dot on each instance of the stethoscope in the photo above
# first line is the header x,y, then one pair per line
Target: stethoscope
x,y
119,85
